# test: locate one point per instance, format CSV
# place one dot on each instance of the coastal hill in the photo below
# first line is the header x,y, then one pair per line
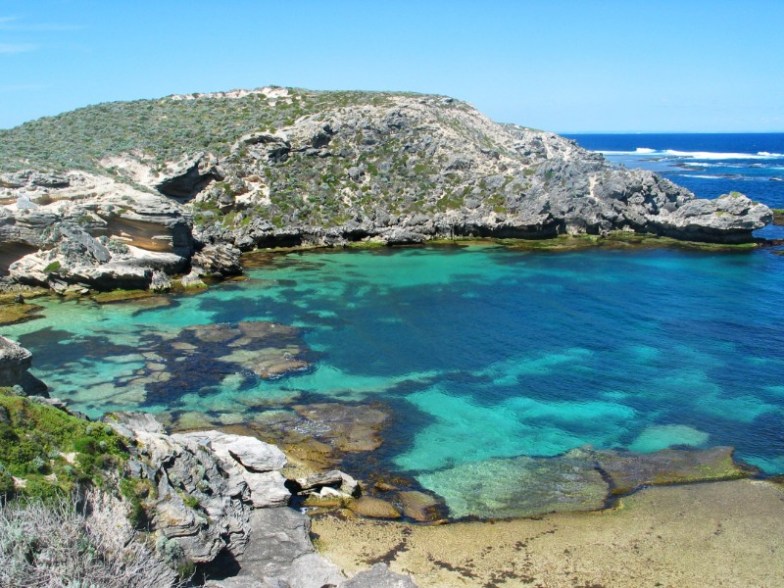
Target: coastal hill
x,y
127,194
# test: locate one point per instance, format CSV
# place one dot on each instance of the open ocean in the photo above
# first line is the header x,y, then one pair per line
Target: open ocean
x,y
480,353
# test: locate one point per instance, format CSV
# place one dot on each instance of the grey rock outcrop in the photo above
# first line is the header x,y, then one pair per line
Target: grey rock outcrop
x,y
186,178
15,361
217,494
218,260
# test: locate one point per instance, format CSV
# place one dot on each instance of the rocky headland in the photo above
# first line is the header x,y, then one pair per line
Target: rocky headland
x,y
127,195
207,507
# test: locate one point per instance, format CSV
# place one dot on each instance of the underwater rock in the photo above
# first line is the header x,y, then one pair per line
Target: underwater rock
x,y
519,487
349,428
319,435
374,508
629,471
421,507
658,437
203,356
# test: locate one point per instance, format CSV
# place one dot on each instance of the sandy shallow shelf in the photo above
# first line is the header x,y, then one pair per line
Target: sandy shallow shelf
x,y
712,534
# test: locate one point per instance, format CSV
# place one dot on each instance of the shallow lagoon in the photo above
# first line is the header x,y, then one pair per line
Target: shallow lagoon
x,y
478,352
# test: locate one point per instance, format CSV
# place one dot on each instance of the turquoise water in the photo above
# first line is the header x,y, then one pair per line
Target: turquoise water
x,y
479,352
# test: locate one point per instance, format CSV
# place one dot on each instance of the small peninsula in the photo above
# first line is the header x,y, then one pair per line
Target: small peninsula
x,y
130,194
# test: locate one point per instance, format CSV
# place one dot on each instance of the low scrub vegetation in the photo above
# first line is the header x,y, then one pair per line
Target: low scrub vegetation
x,y
82,543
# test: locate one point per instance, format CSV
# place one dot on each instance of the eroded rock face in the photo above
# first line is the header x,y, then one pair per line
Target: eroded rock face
x,y
89,229
206,484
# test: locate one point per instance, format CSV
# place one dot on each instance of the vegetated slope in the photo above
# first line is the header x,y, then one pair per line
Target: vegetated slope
x,y
278,166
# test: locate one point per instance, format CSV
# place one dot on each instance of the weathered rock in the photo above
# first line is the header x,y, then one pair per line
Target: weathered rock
x,y
216,516
727,219
128,423
379,576
101,218
186,178
280,550
252,454
218,261
70,255
266,488
160,282
15,361
374,508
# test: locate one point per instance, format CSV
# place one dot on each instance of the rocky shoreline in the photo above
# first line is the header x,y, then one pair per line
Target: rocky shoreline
x,y
330,169
688,536
211,503
231,504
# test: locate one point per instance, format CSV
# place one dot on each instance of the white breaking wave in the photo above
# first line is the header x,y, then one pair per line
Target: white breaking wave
x,y
718,155
709,155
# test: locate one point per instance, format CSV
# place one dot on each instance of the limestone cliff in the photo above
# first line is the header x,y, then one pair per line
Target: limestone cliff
x,y
105,196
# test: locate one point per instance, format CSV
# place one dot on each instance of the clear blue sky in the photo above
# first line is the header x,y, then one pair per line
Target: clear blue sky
x,y
568,66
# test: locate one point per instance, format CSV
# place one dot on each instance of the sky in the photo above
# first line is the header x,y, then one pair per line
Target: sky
x,y
568,66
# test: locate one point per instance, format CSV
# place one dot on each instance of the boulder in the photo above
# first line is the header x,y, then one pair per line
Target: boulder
x,y
333,479
217,261
421,507
15,361
379,576
280,550
374,508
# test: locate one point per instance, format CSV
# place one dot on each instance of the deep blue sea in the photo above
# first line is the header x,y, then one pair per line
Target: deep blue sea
x,y
479,352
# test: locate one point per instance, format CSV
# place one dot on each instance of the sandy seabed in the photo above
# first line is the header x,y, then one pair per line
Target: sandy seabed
x,y
706,535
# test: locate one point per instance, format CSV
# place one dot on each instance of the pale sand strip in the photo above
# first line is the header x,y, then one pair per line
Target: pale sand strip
x,y
700,535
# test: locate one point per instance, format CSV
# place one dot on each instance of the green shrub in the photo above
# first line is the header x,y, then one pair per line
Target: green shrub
x,y
37,439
